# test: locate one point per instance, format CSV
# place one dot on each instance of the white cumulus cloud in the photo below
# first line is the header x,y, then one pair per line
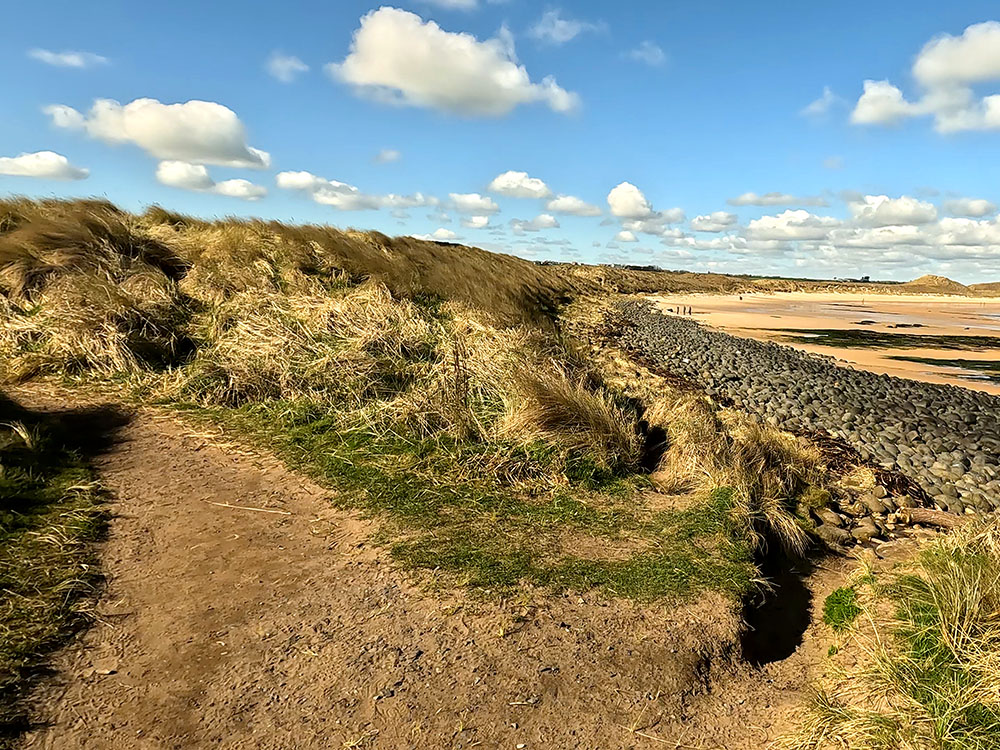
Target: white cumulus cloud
x,y
242,189
883,211
399,58
519,185
476,222
630,205
972,207
970,58
286,68
195,177
67,59
344,197
626,236
540,222
792,225
473,203
946,69
572,206
196,132
47,165
881,104
626,201
440,235
717,221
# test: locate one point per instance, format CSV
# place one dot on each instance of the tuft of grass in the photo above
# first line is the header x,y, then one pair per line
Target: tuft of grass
x,y
929,676
840,609
768,470
50,519
553,405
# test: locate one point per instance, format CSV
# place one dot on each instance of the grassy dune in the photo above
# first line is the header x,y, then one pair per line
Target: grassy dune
x,y
429,383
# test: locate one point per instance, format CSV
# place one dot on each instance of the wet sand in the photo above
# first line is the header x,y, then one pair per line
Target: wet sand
x,y
762,316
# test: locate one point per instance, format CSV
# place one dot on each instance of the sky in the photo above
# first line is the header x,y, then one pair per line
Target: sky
x,y
799,139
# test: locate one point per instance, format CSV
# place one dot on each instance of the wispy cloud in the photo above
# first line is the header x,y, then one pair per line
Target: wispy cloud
x,y
649,53
822,105
286,68
68,59
553,28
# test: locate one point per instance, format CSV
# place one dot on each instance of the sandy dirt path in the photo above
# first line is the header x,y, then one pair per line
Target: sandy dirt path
x,y
226,627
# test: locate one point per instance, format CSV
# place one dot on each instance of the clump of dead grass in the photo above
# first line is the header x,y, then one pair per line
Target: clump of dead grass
x,y
350,347
554,405
92,323
83,289
513,385
929,673
710,448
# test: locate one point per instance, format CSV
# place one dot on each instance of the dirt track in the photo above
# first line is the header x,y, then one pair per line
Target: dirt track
x,y
225,627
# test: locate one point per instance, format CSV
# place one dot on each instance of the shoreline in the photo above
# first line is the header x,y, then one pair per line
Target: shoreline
x,y
770,316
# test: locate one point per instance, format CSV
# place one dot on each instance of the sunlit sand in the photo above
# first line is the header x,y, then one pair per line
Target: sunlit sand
x,y
768,317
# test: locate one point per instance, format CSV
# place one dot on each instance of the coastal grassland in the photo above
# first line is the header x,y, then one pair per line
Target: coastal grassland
x,y
50,519
928,639
430,384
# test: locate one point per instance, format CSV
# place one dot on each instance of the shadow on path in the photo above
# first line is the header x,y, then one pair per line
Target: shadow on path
x,y
87,431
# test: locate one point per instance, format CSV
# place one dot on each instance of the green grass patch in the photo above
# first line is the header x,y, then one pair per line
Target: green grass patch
x,y
861,339
989,368
841,609
488,516
50,518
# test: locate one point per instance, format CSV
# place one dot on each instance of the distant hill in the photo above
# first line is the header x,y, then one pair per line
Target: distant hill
x,y
931,284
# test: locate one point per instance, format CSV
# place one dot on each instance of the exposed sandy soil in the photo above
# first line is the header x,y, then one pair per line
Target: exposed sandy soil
x,y
761,315
229,627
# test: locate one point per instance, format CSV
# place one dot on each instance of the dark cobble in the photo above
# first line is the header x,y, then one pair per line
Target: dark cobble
x,y
945,438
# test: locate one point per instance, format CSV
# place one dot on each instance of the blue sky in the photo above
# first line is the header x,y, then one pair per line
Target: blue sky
x,y
671,110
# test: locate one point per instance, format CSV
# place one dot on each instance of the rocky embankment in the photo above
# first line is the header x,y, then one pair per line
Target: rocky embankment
x,y
944,438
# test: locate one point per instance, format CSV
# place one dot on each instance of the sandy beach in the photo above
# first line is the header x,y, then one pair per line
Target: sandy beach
x,y
768,316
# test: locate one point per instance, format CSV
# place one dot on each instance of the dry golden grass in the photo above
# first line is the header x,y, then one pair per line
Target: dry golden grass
x,y
402,333
551,404
354,345
766,469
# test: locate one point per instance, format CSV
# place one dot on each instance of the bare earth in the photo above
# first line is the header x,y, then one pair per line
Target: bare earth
x,y
760,316
229,627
